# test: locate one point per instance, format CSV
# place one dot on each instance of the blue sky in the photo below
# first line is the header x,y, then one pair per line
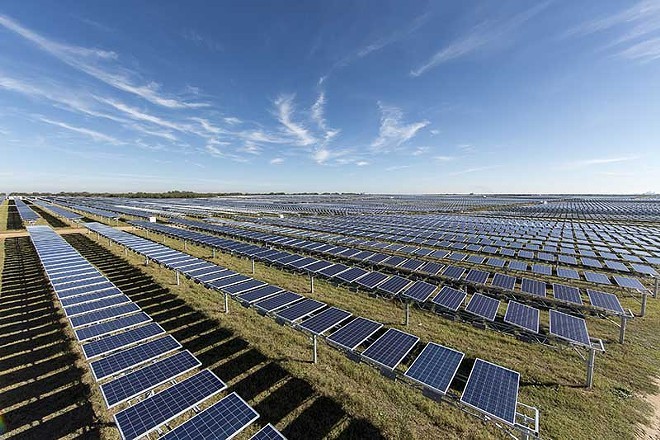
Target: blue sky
x,y
370,96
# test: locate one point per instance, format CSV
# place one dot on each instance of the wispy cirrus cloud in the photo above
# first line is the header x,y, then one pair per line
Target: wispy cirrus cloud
x,y
598,161
285,108
277,161
477,38
100,64
97,136
444,158
201,40
473,170
393,132
637,27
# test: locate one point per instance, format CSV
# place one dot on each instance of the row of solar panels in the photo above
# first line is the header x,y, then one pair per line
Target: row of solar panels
x,y
563,326
25,212
321,243
388,285
129,355
61,212
623,238
508,244
412,243
491,389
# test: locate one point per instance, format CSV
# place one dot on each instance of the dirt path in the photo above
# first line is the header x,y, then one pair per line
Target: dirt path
x,y
652,432
24,233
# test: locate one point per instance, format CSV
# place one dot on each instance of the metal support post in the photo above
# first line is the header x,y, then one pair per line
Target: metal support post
x,y
213,252
146,261
185,245
226,303
126,251
177,278
644,298
311,283
622,329
147,232
655,289
253,266
407,312
590,367
314,348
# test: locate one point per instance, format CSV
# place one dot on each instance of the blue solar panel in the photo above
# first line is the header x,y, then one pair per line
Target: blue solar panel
x,y
268,432
325,320
534,287
221,421
522,316
223,283
125,322
594,277
566,293
542,269
354,333
103,315
394,285
91,306
493,390
82,290
333,270
483,306
278,301
435,367
631,283
246,286
431,268
140,381
371,280
616,265
259,293
300,309
567,273
147,415
477,276
351,274
450,298
419,291
453,272
390,349
570,328
114,342
67,302
606,301
131,357
502,281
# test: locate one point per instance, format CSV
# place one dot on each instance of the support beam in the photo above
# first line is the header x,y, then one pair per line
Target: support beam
x,y
213,252
226,303
314,350
178,281
407,313
622,329
146,261
126,251
311,283
644,299
591,360
655,289
253,266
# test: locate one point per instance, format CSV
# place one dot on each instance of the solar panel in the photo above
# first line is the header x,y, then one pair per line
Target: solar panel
x,y
534,287
522,316
645,269
112,343
245,286
351,274
147,378
318,266
496,262
591,263
435,367
453,272
476,259
616,265
325,320
390,349
483,306
606,301
87,307
103,315
147,415
566,293
394,285
477,276
631,283
277,301
371,280
450,298
394,261
131,357
419,291
225,282
354,333
596,277
259,293
542,269
333,270
570,328
431,268
502,281
493,390
104,328
268,432
567,273
84,289
68,302
300,309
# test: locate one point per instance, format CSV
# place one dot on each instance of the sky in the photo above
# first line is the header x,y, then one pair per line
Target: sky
x,y
371,96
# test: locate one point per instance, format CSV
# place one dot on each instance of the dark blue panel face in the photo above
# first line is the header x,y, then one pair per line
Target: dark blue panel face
x,y
228,281
493,390
351,274
91,306
139,381
616,265
114,342
566,293
145,416
79,299
567,273
477,276
104,314
596,277
631,283
245,286
300,309
94,331
394,285
325,320
259,293
435,367
542,269
450,298
522,316
333,270
268,432
453,272
83,290
371,280
354,333
534,287
390,349
419,291
606,301
431,268
483,306
278,301
123,360
570,328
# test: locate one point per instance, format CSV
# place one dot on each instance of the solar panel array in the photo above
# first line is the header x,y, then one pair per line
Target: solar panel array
x,y
25,212
130,355
434,368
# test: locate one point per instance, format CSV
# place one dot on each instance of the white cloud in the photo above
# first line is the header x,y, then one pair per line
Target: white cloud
x,y
232,120
91,62
201,40
362,163
277,161
285,108
393,133
419,151
598,161
321,155
434,132
250,148
481,35
444,158
142,116
473,170
397,167
97,136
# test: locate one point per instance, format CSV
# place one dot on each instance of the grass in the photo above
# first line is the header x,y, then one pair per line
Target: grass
x,y
4,208
551,377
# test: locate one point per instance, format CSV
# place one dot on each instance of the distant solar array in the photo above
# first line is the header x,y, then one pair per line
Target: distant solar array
x,y
60,212
434,368
25,212
129,356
